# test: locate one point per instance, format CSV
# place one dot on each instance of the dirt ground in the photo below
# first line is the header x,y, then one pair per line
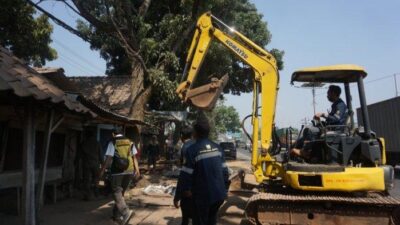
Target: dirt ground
x,y
148,209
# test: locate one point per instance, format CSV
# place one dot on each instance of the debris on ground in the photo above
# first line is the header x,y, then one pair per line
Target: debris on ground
x,y
159,190
172,173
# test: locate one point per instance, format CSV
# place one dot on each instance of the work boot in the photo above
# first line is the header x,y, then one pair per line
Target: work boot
x,y
123,220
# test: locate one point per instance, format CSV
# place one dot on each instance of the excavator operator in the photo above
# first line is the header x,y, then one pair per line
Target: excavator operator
x,y
336,117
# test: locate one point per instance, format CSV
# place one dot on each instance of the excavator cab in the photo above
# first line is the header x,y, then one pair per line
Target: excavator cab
x,y
340,74
326,148
339,148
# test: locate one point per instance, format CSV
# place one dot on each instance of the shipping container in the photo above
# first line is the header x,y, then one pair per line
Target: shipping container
x,y
385,122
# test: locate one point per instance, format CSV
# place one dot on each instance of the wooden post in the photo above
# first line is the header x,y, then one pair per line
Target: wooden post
x,y
57,123
43,168
3,147
28,161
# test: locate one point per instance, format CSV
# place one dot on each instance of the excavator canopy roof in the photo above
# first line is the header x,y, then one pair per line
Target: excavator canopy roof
x,y
330,74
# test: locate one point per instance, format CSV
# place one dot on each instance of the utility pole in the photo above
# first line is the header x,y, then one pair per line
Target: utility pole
x,y
313,86
305,121
395,84
313,97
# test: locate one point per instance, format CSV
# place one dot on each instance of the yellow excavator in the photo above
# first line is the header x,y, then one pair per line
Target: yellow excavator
x,y
346,182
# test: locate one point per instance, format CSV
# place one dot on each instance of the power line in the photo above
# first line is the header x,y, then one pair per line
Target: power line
x,y
382,78
368,82
77,64
68,62
77,55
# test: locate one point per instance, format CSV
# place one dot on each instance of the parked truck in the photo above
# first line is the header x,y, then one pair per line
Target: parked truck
x,y
384,117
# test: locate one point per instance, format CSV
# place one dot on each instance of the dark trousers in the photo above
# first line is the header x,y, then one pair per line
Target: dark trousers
x,y
152,160
187,209
119,183
309,134
206,214
89,178
170,153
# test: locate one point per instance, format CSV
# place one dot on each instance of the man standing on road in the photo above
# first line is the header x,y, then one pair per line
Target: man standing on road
x,y
186,203
204,175
121,156
153,152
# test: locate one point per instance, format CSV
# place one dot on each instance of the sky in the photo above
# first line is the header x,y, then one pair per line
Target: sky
x,y
311,32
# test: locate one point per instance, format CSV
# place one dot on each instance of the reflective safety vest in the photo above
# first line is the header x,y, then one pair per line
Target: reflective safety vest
x,y
123,147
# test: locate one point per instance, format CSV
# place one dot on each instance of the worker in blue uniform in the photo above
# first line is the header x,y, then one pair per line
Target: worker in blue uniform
x,y
186,203
204,175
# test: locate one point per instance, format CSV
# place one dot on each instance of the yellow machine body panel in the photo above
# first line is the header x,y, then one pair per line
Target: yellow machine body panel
x,y
352,179
330,74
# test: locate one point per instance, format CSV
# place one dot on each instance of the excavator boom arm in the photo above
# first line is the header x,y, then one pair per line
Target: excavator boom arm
x,y
265,82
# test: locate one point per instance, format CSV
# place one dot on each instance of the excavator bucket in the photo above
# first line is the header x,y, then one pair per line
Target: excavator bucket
x,y
206,96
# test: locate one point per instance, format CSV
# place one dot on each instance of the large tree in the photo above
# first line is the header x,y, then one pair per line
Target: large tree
x,y
26,36
223,119
226,119
149,39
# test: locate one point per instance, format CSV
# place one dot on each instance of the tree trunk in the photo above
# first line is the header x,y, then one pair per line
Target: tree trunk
x,y
140,92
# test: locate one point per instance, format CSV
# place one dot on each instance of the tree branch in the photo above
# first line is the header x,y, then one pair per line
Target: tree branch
x,y
144,7
129,49
184,37
79,4
70,6
127,15
59,22
195,9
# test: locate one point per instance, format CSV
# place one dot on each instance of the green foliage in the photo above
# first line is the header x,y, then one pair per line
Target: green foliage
x,y
278,54
26,36
226,119
223,119
163,35
167,96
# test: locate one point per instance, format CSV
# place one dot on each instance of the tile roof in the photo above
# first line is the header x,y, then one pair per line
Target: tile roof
x,y
110,92
56,76
51,84
15,75
76,88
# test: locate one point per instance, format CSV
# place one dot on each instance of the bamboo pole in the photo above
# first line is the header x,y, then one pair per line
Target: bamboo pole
x,y
43,169
28,161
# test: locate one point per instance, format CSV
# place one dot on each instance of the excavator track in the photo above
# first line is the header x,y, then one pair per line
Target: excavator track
x,y
327,209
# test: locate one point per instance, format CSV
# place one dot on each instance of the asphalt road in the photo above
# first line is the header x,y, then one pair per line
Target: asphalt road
x,y
245,156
